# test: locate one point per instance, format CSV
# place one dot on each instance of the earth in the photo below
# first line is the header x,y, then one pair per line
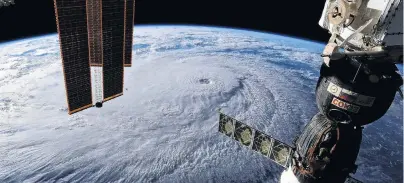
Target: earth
x,y
165,126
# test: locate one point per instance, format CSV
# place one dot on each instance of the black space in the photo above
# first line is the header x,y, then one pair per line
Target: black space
x,y
29,18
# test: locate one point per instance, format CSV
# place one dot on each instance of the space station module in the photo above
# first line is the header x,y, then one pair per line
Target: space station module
x,y
357,84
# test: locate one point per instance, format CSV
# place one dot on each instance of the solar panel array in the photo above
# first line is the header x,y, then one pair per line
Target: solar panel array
x,y
113,44
256,140
71,20
94,31
129,20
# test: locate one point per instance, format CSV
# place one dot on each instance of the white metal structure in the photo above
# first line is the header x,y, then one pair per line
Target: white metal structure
x,y
96,81
364,28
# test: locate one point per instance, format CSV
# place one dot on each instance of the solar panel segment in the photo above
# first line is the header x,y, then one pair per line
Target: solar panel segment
x,y
113,44
129,20
256,140
72,28
352,180
94,32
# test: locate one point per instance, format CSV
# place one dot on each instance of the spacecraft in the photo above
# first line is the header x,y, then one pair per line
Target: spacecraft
x,y
358,82
287,155
95,39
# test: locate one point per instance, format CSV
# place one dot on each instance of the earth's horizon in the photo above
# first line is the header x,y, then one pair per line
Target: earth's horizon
x,y
164,127
184,25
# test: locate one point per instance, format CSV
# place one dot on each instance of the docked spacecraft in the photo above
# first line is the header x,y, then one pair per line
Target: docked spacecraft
x,y
357,84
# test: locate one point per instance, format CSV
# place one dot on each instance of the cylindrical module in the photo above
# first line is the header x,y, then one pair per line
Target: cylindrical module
x,y
349,91
326,151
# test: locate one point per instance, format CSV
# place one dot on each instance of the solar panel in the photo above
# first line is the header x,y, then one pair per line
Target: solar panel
x,y
129,20
352,180
226,125
72,28
112,46
266,145
94,31
262,143
243,133
280,152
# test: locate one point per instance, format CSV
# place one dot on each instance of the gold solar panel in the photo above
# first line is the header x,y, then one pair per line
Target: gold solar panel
x,y
226,125
243,134
258,141
280,152
71,20
129,21
112,47
262,143
94,32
